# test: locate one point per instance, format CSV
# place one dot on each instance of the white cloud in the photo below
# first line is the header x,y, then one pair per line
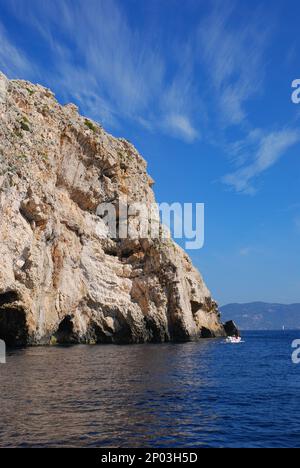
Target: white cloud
x,y
234,56
118,70
180,125
271,147
115,70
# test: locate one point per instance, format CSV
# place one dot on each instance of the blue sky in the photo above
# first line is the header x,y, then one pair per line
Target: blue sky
x,y
203,89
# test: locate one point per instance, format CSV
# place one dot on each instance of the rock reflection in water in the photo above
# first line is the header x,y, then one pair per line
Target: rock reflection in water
x,y
102,395
173,395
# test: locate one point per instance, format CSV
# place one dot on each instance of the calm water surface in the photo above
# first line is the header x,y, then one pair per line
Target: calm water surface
x,y
208,394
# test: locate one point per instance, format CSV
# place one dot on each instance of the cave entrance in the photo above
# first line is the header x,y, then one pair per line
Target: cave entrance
x,y
13,326
65,332
206,333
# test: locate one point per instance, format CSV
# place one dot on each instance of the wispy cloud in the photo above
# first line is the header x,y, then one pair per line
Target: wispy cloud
x,y
179,124
114,70
234,57
271,147
234,54
117,70
191,87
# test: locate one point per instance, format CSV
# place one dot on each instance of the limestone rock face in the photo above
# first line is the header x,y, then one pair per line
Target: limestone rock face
x,y
62,278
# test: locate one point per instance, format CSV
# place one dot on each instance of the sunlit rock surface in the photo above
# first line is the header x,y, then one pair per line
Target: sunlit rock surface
x,y
61,279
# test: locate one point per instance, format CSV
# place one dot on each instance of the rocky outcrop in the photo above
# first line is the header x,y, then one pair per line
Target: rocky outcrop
x,y
231,328
63,279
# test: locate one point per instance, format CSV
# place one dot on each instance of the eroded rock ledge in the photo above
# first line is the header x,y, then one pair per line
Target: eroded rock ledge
x,y
60,280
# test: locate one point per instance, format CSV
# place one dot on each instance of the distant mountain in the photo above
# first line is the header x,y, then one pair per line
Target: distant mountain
x,y
262,315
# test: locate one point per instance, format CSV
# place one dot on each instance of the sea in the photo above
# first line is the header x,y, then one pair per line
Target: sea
x,y
190,395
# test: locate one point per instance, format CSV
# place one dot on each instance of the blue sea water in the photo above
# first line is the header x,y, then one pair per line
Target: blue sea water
x,y
203,394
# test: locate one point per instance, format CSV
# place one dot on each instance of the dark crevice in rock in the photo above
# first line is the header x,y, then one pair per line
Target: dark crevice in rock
x,y
126,254
110,248
124,334
97,334
206,333
25,215
65,333
13,326
110,173
111,252
178,333
196,306
8,298
157,334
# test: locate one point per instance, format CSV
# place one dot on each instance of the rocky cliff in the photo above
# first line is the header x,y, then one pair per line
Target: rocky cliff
x,y
62,280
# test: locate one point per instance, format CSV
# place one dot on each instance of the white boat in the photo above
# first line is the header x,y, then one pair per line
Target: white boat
x,y
233,339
